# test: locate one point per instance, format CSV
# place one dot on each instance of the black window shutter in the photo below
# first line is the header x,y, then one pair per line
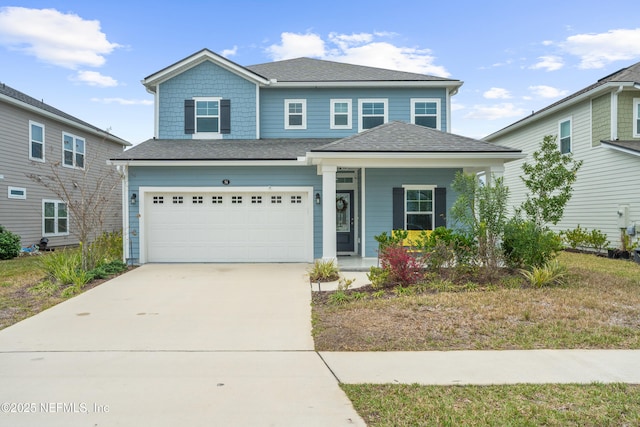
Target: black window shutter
x,y
398,208
189,116
225,116
441,207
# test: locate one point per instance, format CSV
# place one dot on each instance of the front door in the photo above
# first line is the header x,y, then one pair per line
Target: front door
x,y
344,221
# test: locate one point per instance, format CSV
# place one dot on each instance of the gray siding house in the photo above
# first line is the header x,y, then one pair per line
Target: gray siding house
x,y
600,125
39,140
291,161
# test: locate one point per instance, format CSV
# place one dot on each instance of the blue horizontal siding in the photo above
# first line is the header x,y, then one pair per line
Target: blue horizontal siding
x,y
207,79
379,197
203,176
272,112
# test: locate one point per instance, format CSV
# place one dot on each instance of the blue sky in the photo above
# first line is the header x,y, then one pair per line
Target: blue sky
x,y
88,58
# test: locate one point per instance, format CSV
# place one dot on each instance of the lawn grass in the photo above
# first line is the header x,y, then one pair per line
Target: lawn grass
x,y
504,405
598,309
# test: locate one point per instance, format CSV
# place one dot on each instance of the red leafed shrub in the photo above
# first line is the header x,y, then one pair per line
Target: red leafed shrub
x,y
404,268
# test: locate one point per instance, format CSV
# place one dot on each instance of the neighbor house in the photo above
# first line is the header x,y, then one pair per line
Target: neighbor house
x,y
291,161
38,141
599,125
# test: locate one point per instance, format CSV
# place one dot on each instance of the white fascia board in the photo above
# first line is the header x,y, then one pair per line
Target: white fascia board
x,y
174,163
621,149
52,116
416,155
356,84
154,80
608,87
416,160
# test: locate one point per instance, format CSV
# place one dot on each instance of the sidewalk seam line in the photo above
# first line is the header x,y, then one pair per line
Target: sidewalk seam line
x,y
328,367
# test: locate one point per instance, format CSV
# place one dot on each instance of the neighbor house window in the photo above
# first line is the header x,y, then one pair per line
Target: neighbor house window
x,y
372,113
418,208
55,218
36,141
207,116
426,112
295,113
636,117
565,136
340,114
16,193
73,151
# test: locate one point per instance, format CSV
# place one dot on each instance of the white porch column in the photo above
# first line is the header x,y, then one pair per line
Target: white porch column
x,y
492,173
329,212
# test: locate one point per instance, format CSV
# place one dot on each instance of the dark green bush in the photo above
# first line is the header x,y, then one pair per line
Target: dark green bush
x,y
447,246
527,246
9,244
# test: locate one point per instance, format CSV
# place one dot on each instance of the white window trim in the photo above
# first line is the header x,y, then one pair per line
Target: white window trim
x,y
559,141
433,201
385,101
286,113
23,196
413,110
205,135
349,125
55,218
636,117
73,166
35,159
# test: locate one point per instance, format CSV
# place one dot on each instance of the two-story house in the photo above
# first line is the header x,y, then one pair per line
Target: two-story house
x,y
600,125
291,161
39,141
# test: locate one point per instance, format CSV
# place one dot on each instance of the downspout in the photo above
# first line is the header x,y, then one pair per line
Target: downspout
x,y
614,113
448,111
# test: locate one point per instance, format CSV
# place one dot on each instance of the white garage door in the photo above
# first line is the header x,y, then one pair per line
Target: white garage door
x,y
228,226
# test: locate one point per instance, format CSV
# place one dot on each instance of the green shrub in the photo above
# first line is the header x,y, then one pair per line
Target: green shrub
x,y
324,271
339,297
527,246
63,265
104,249
578,237
598,240
378,277
9,244
394,239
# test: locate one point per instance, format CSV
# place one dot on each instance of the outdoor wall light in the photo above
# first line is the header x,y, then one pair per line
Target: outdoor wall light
x,y
317,198
134,197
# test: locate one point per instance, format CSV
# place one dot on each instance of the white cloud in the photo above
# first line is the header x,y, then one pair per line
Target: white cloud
x,y
362,49
549,63
230,52
547,91
494,112
53,37
497,93
598,50
122,101
94,78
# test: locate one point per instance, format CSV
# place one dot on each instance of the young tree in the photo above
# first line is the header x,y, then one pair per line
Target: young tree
x,y
549,180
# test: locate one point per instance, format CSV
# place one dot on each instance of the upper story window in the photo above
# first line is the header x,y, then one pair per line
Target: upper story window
x,y
55,218
636,117
73,151
207,118
340,114
426,112
565,136
418,207
36,141
295,113
372,113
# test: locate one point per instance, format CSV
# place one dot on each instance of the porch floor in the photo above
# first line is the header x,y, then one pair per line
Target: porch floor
x,y
356,263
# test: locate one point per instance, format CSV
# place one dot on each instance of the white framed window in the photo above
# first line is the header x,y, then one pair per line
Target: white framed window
x,y
55,218
564,135
340,114
636,117
17,193
36,141
426,112
295,113
207,116
419,207
372,113
73,151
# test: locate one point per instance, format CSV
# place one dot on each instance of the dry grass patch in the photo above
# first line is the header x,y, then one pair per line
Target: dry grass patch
x,y
599,309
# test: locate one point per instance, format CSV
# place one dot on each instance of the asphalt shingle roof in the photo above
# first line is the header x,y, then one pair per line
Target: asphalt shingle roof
x,y
394,137
316,70
23,97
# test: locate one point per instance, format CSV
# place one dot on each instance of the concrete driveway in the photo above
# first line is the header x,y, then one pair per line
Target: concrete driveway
x,y
197,344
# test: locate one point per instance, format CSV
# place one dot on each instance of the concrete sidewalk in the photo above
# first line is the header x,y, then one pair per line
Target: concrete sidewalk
x,y
485,367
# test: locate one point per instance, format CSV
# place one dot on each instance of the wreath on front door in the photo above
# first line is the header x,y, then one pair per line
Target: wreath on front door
x,y
341,204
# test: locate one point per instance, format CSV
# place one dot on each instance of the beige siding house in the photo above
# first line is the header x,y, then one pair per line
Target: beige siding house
x,y
38,141
601,126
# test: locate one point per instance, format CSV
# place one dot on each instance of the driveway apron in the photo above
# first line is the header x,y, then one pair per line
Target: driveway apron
x,y
197,344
